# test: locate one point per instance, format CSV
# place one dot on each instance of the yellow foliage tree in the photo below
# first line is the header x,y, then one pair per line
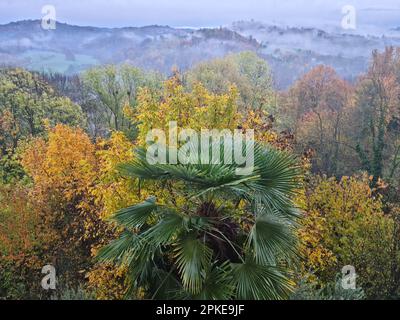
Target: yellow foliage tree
x,y
197,109
344,224
63,169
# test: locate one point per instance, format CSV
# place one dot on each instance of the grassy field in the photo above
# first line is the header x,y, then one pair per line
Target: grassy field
x,y
47,61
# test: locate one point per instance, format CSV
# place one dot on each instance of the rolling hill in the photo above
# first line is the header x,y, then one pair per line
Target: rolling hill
x,y
290,51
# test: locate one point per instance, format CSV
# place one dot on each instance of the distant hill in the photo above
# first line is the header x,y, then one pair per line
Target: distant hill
x,y
290,51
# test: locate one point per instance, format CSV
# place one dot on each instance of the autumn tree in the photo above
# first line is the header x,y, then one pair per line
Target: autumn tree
x,y
25,101
345,224
317,109
22,238
63,170
249,73
376,119
26,104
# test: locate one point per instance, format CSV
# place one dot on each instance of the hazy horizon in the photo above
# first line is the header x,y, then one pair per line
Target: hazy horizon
x,y
206,13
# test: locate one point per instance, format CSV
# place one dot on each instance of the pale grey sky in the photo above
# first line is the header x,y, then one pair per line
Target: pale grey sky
x,y
204,13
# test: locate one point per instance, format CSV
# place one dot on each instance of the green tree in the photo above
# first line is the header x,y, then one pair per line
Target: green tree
x,y
112,88
217,236
377,116
248,72
26,103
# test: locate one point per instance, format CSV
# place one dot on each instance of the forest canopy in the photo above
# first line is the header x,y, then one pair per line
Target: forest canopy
x,y
77,192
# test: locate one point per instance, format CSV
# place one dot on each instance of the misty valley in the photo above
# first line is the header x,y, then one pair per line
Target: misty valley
x,y
201,155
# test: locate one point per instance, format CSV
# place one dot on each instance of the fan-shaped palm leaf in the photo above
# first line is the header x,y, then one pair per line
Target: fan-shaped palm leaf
x,y
192,257
257,282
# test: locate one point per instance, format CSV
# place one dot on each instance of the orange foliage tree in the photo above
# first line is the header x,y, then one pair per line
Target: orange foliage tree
x,y
318,107
63,170
21,238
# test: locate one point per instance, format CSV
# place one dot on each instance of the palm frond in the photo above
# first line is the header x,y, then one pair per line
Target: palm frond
x,y
217,284
272,237
258,282
140,168
137,215
279,176
164,285
192,257
162,232
275,175
117,249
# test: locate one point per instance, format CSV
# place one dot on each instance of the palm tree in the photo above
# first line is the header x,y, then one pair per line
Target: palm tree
x,y
232,238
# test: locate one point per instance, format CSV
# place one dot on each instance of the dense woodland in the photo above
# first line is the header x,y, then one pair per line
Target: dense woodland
x,y
76,191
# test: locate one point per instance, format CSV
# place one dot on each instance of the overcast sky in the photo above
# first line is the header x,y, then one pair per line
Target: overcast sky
x,y
203,13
